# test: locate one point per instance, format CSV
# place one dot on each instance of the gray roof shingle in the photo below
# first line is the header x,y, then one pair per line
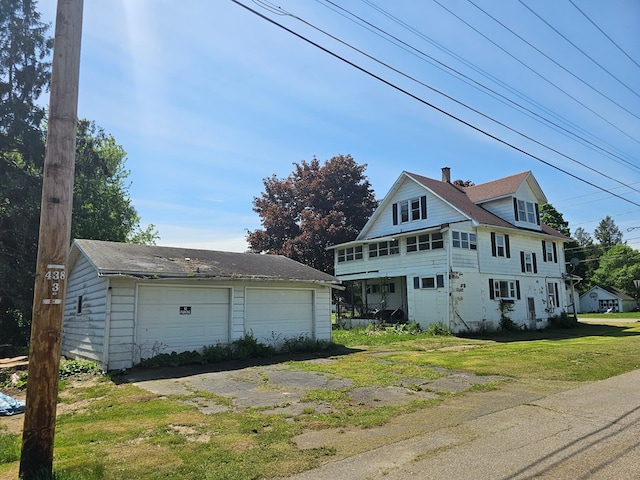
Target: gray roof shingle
x,y
466,199
113,258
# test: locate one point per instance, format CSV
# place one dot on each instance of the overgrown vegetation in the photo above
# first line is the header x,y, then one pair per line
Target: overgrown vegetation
x,y
16,378
564,320
244,348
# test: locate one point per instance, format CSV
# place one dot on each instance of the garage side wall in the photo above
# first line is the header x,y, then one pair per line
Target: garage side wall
x,y
83,333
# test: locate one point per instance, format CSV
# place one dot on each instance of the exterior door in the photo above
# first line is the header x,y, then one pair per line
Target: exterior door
x,y
531,308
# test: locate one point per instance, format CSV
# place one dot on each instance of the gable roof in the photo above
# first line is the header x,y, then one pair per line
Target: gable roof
x,y
458,198
467,200
611,290
114,258
504,187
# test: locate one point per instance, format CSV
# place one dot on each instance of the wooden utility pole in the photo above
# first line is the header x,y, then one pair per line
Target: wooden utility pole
x,y
36,460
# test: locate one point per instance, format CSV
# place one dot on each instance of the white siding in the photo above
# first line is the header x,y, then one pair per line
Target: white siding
x,y
83,334
503,208
438,212
105,330
121,322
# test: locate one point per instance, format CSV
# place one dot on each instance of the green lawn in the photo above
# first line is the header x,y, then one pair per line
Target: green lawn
x,y
120,431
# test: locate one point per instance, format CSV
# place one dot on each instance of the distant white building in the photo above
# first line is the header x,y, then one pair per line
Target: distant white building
x,y
442,253
606,299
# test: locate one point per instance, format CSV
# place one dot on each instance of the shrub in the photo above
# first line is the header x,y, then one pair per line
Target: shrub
x,y
564,320
438,330
305,344
249,347
411,328
70,368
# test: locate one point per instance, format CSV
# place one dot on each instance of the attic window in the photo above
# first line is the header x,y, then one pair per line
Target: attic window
x,y
526,211
410,210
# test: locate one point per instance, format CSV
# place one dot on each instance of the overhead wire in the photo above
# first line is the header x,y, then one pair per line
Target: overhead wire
x,y
582,52
604,33
449,97
474,83
536,72
425,102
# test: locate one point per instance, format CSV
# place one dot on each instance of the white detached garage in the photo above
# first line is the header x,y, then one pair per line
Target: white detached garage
x,y
125,302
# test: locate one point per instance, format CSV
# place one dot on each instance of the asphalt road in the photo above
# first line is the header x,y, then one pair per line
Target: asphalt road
x,y
591,432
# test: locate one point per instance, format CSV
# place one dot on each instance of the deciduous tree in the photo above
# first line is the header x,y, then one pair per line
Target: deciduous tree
x,y
315,207
619,267
102,208
552,217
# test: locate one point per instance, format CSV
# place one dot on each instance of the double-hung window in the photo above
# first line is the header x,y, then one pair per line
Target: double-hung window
x,y
526,211
464,240
409,210
504,289
552,292
429,282
500,245
349,254
528,263
382,249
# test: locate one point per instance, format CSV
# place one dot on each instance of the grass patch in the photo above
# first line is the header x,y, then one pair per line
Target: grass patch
x,y
110,430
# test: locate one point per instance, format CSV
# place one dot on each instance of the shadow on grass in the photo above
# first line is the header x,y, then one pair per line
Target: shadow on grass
x,y
164,372
581,330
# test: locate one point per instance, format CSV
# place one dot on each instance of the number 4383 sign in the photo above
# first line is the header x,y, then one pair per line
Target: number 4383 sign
x,y
55,275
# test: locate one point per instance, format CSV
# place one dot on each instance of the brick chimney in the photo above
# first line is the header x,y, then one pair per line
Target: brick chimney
x,y
446,174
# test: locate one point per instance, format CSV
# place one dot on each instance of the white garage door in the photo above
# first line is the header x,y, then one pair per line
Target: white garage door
x,y
180,319
277,314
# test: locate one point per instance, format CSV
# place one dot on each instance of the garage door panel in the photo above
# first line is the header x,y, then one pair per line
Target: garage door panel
x,y
160,322
275,314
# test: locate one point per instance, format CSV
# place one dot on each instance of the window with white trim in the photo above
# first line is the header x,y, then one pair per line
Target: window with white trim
x,y
504,289
424,242
464,240
382,249
528,263
409,210
526,211
500,245
552,293
549,251
430,282
349,254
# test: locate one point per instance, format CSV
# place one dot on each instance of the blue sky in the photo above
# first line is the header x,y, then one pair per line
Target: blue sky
x,y
208,99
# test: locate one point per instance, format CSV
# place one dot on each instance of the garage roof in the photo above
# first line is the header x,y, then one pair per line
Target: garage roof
x,y
114,258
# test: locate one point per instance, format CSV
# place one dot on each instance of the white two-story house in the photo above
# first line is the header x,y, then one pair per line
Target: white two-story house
x,y
440,253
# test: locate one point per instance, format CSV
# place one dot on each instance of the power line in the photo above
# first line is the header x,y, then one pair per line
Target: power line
x,y
449,97
534,71
497,81
604,33
448,69
581,51
415,97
